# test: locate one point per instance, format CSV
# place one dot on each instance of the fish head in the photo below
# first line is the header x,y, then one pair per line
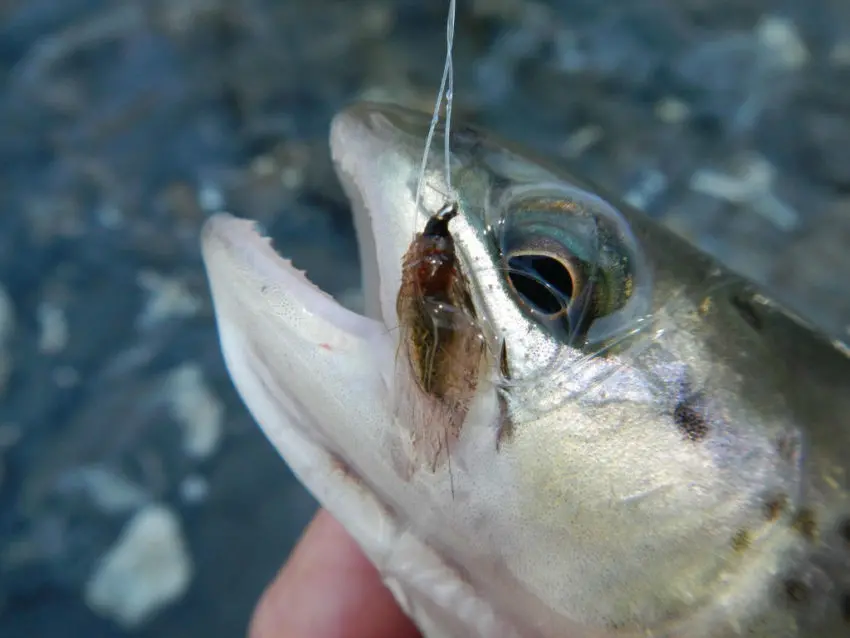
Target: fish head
x,y
610,455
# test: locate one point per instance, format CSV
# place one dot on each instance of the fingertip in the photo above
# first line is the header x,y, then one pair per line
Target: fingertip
x,y
328,589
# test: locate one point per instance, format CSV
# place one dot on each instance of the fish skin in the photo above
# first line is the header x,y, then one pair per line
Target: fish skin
x,y
692,481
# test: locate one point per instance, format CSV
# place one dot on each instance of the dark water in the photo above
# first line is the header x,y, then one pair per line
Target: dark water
x,y
123,124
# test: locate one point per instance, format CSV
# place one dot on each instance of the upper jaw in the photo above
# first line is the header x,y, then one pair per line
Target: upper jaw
x,y
376,150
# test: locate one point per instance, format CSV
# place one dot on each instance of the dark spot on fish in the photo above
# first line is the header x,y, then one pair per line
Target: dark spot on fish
x,y
503,362
774,507
796,591
804,522
744,306
741,540
690,422
845,607
506,427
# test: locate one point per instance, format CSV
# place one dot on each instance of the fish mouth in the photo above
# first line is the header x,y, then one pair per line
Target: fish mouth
x,y
235,247
298,358
314,375
279,330
375,163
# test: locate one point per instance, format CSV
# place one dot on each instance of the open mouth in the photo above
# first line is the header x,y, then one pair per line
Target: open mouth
x,y
244,268
238,256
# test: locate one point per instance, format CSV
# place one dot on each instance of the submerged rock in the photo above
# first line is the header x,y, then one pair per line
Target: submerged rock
x,y
147,569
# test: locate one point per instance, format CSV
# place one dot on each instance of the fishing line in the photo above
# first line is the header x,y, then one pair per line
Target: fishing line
x,y
446,91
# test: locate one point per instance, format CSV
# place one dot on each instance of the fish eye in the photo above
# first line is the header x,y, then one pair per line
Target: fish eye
x,y
541,282
571,262
556,286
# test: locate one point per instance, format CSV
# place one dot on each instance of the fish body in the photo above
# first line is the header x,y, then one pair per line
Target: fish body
x,y
649,445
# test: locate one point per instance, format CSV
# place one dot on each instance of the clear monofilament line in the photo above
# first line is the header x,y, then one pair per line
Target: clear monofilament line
x,y
446,90
450,40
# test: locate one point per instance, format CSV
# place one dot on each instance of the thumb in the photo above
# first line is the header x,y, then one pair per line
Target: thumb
x,y
328,589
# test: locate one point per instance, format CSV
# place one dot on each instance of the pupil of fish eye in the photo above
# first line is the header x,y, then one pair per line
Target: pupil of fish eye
x,y
543,282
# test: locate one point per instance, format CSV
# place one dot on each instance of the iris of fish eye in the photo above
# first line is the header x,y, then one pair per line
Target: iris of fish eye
x,y
542,282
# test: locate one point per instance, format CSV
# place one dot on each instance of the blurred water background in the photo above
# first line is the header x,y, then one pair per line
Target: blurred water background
x,y
137,497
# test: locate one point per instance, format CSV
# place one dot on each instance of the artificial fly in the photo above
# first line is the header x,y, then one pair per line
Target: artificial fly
x,y
441,343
